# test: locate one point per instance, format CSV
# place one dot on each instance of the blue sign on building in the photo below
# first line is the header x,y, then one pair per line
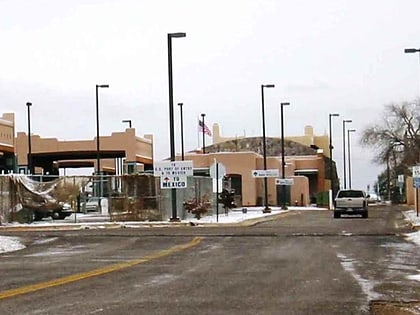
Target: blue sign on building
x,y
416,182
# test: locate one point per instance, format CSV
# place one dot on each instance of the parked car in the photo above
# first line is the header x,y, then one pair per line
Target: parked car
x,y
60,212
374,198
93,204
350,201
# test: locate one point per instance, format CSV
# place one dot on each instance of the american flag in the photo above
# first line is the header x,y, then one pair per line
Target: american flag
x,y
206,129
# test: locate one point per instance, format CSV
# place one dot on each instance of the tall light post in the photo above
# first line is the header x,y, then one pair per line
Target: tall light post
x,y
30,168
266,207
411,50
204,135
344,150
283,162
127,121
98,154
349,155
174,217
407,51
331,147
182,130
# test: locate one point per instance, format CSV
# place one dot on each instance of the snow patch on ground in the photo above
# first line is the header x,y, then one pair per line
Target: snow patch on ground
x,y
366,285
414,237
10,244
415,277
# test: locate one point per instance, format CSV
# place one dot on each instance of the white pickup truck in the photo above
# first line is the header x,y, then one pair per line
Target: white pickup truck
x,y
349,201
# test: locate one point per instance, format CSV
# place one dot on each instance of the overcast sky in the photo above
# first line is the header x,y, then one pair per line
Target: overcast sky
x,y
325,56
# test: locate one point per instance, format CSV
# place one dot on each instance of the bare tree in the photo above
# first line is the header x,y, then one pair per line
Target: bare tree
x,y
396,137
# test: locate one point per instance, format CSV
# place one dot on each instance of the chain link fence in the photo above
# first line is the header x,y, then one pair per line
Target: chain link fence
x,y
127,198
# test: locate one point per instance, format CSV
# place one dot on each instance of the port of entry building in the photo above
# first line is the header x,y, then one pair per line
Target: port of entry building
x,y
123,152
307,173
307,163
120,153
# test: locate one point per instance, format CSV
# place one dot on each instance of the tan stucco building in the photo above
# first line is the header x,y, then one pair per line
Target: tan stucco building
x,y
7,143
307,172
124,152
118,151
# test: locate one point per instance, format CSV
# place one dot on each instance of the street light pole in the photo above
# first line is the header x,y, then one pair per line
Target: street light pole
x,y
204,136
331,147
283,162
266,207
412,51
408,51
127,121
174,217
98,156
29,157
388,175
344,150
349,155
182,131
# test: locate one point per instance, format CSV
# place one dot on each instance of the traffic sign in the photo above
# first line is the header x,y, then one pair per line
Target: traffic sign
x,y
416,182
401,178
173,168
265,173
284,181
416,171
217,170
217,185
167,182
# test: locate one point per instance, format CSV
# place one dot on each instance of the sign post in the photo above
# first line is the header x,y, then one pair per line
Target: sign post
x,y
416,183
217,171
400,183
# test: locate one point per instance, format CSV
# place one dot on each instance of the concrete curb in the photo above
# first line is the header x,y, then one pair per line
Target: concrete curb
x,y
122,225
413,225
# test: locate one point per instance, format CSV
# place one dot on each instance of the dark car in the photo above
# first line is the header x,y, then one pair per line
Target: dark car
x,y
62,211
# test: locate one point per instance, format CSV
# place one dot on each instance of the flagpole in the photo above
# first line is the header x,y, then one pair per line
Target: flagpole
x,y
204,133
198,133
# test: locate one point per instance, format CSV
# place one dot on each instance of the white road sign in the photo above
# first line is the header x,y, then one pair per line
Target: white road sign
x,y
167,182
221,170
265,173
416,171
217,185
284,181
175,168
400,178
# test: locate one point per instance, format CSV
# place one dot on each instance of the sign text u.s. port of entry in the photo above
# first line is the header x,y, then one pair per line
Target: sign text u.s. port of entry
x,y
176,168
173,174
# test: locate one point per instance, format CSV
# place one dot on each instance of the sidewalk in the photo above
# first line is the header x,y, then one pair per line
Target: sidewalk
x,y
413,218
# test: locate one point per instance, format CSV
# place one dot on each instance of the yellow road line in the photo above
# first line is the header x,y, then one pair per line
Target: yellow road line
x,y
97,272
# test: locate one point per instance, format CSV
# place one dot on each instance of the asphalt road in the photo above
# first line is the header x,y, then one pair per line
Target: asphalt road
x,y
303,263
